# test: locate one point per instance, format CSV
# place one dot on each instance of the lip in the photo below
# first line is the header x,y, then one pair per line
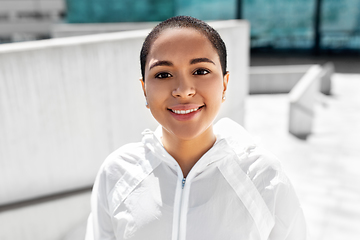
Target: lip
x,y
185,107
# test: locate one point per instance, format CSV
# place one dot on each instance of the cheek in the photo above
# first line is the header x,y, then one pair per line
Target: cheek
x,y
156,93
213,90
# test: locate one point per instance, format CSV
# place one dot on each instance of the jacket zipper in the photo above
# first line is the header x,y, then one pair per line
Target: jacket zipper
x,y
178,207
182,211
183,182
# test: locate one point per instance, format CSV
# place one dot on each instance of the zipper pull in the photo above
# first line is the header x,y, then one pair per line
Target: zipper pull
x,y
183,182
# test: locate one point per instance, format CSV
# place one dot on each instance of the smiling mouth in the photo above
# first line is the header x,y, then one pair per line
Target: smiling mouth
x,y
186,111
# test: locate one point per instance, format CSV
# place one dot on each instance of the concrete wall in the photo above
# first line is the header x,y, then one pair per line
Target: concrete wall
x,y
275,79
65,104
49,218
281,79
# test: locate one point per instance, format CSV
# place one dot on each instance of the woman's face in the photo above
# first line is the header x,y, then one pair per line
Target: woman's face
x,y
184,84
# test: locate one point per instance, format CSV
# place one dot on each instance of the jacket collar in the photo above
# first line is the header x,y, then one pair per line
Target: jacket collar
x,y
231,139
235,135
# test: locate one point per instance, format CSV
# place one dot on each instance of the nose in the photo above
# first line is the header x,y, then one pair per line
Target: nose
x,y
184,88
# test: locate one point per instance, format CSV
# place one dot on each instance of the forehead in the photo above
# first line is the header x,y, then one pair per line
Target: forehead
x,y
187,42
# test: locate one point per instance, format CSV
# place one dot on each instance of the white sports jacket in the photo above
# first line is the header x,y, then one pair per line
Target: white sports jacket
x,y
235,191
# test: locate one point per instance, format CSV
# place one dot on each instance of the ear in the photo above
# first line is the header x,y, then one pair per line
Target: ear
x,y
225,83
143,85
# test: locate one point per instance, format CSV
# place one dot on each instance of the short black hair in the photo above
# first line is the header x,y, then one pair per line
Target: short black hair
x,y
184,22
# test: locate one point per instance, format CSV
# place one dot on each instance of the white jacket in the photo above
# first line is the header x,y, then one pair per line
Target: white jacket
x,y
235,191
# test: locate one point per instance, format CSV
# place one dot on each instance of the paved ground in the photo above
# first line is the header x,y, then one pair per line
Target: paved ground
x,y
325,168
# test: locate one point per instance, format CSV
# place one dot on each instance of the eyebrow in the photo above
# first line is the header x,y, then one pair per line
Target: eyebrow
x,y
198,60
161,63
168,63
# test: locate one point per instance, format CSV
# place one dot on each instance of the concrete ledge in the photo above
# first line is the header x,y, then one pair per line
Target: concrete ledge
x,y
69,30
275,79
281,79
302,99
325,86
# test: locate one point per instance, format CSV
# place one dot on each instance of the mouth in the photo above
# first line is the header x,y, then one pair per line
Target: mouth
x,y
187,111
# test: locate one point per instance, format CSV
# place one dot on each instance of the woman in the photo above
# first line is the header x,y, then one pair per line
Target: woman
x,y
191,179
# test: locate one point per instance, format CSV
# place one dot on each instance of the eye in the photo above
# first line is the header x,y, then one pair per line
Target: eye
x,y
201,72
163,75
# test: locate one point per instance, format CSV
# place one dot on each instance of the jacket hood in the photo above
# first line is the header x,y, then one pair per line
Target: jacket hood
x,y
231,138
234,134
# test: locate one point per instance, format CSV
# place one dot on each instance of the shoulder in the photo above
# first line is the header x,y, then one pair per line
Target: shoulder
x,y
261,166
127,155
255,161
268,176
127,160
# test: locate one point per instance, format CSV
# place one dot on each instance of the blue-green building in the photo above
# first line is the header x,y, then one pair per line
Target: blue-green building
x,y
275,24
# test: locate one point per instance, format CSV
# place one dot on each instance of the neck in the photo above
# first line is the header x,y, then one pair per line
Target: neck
x,y
188,152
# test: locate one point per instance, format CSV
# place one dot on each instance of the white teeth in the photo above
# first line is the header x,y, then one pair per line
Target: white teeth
x,y
184,111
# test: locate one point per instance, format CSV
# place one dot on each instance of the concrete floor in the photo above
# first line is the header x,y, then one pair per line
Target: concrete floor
x,y
324,169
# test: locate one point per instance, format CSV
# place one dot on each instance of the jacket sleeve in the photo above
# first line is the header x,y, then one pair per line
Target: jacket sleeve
x,y
99,225
289,218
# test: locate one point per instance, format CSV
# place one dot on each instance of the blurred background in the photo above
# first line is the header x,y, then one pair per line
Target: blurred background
x,y
325,26
69,96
